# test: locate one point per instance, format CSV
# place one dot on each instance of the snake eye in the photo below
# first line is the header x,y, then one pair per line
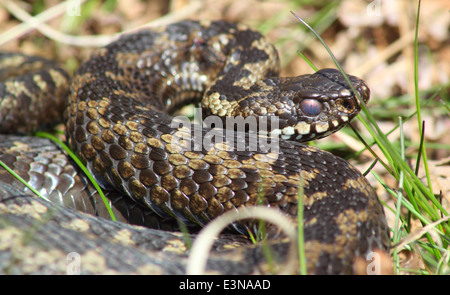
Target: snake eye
x,y
311,107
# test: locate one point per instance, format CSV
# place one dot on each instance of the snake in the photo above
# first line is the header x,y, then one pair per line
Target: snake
x,y
160,170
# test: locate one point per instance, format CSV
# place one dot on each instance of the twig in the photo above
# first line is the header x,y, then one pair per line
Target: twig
x,y
204,241
37,22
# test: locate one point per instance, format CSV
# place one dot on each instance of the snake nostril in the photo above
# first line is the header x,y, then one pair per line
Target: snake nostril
x,y
345,105
348,104
311,107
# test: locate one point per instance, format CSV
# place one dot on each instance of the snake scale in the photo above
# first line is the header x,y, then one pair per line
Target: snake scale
x,y
118,121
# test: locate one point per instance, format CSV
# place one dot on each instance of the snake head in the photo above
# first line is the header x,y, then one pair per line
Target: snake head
x,y
321,104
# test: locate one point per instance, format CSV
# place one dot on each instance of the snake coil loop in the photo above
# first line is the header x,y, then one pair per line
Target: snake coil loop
x,y
118,121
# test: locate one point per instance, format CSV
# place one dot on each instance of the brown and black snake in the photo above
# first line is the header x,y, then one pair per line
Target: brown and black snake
x,y
117,113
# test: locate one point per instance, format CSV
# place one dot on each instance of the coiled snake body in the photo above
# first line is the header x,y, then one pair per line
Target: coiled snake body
x,y
118,122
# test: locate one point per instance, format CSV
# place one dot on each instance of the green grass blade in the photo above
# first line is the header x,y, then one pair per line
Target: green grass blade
x,y
300,231
397,229
315,69
416,95
17,176
82,167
